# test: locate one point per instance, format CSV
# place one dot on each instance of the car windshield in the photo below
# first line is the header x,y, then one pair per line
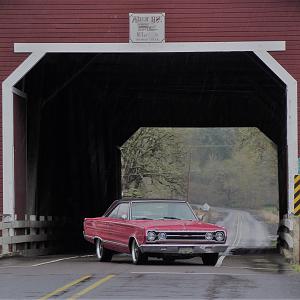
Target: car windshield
x,y
156,210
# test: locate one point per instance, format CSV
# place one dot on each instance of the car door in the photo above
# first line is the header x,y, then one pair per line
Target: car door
x,y
122,226
116,235
119,229
107,232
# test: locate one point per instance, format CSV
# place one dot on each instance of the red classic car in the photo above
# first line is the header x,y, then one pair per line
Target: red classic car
x,y
166,229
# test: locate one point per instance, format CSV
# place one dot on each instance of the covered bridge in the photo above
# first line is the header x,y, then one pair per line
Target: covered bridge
x,y
77,81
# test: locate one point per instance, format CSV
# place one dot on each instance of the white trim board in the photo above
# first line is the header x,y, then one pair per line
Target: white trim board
x,y
19,93
150,47
292,120
8,132
38,50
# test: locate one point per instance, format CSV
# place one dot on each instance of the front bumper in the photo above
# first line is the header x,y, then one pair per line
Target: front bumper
x,y
186,249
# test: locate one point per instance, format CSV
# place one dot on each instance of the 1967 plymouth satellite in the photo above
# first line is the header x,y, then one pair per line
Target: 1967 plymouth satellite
x,y
166,229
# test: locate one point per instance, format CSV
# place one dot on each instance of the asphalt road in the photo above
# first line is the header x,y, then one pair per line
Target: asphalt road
x,y
251,276
245,231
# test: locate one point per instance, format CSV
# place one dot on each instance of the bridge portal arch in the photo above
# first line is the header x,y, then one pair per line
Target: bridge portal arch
x,y
258,51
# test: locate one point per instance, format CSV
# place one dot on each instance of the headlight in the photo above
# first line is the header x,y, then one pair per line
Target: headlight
x,y
151,236
162,236
209,236
220,236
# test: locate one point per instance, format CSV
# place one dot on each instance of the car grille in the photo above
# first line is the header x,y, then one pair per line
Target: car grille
x,y
179,235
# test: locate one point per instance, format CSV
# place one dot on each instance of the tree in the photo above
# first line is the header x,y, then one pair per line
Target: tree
x,y
229,167
245,175
154,157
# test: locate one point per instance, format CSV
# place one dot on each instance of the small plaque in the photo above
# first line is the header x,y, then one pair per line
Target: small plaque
x,y
147,28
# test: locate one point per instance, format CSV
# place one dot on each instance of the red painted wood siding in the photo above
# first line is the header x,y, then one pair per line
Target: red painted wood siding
x,y
25,21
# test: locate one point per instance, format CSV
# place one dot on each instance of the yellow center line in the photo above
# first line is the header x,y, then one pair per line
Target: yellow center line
x,y
65,287
91,287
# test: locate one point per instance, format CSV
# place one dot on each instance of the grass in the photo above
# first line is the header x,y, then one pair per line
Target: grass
x,y
270,215
296,268
274,243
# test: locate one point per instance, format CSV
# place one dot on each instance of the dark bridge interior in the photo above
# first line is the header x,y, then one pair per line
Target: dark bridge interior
x,y
82,107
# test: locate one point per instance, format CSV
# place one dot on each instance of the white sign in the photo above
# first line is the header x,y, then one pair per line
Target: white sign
x,y
147,28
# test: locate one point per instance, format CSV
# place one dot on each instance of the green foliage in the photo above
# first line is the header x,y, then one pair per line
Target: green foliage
x,y
234,167
210,143
246,178
296,268
154,163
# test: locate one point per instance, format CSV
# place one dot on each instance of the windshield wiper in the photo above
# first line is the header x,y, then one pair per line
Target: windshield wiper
x,y
170,218
143,218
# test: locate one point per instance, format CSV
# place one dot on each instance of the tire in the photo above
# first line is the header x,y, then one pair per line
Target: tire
x,y
210,259
138,257
102,253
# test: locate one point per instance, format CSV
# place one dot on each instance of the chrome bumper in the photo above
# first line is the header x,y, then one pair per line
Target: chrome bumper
x,y
187,249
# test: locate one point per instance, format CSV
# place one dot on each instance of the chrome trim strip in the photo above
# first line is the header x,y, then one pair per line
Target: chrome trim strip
x,y
196,217
110,208
105,241
175,249
97,237
116,243
130,212
183,245
184,230
188,234
136,241
200,242
88,236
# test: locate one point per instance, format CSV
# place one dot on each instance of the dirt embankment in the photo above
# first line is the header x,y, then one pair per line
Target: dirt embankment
x,y
269,217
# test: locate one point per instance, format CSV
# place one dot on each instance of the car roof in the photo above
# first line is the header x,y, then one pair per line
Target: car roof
x,y
128,200
148,199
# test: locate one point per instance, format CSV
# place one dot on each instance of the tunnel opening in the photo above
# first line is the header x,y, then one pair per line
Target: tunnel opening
x,y
228,175
81,108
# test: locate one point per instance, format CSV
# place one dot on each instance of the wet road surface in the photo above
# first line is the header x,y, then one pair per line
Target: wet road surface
x,y
247,276
82,277
245,231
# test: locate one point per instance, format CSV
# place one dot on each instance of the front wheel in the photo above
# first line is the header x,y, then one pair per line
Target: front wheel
x,y
138,257
210,259
102,253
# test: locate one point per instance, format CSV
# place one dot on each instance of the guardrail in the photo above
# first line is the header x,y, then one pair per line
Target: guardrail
x,y
35,235
289,237
285,232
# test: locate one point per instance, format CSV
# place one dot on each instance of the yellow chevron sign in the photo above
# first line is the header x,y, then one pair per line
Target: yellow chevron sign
x,y
297,195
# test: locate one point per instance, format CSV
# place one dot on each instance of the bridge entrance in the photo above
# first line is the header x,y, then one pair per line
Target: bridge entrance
x,y
81,107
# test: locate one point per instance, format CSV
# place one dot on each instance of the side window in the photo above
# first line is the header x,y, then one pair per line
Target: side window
x,y
123,211
114,213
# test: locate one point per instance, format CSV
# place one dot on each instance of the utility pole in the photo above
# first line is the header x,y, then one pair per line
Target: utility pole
x,y
189,176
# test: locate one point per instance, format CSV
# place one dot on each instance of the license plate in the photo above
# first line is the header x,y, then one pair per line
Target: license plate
x,y
186,250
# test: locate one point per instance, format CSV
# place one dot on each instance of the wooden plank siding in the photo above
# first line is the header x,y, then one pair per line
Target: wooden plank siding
x,y
54,21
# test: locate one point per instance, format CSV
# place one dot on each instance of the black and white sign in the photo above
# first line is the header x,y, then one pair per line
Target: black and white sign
x,y
147,28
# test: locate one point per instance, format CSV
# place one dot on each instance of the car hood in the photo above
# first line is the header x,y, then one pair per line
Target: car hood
x,y
174,225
